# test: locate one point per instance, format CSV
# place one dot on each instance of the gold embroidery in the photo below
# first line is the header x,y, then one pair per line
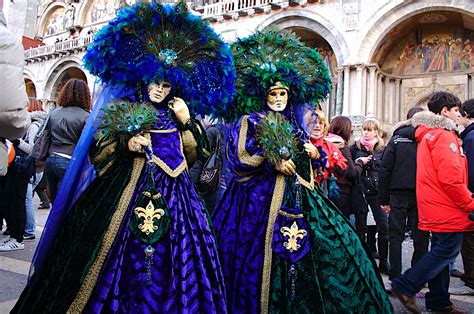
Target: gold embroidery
x,y
293,233
277,199
309,185
190,146
242,153
148,214
82,297
244,179
172,173
104,169
164,131
293,216
109,149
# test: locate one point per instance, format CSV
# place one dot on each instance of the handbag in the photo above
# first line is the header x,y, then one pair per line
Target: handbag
x,y
23,164
210,175
42,141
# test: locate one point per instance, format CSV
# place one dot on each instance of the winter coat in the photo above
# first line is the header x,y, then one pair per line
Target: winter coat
x,y
334,155
370,170
14,119
467,137
397,175
443,198
27,142
66,124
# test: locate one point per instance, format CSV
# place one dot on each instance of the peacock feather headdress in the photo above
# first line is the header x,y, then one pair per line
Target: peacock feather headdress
x,y
148,42
271,56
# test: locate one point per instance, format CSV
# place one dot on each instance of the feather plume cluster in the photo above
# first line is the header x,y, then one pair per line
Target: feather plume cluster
x,y
271,56
149,42
277,138
124,119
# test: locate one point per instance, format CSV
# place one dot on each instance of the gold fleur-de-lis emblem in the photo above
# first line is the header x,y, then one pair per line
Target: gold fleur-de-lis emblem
x,y
293,233
148,214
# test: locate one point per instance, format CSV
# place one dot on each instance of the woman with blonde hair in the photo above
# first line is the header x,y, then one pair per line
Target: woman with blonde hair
x,y
318,126
367,154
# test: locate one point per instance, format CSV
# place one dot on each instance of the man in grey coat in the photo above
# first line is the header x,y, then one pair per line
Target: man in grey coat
x,y
14,119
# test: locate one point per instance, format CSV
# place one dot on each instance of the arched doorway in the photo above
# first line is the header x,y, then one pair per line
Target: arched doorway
x,y
69,73
30,88
314,40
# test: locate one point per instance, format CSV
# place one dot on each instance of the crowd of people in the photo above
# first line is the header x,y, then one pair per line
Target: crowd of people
x,y
140,225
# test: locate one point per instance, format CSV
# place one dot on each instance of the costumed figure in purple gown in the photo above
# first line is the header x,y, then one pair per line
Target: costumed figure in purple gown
x,y
131,236
284,246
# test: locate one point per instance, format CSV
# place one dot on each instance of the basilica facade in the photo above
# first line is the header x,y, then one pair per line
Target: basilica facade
x,y
384,56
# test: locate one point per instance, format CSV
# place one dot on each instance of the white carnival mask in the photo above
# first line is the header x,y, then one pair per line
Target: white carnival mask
x,y
158,91
277,97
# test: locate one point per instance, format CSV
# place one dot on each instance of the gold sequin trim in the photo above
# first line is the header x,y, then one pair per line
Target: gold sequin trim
x,y
90,280
160,163
242,153
309,185
104,169
244,179
164,131
190,146
109,149
293,216
277,200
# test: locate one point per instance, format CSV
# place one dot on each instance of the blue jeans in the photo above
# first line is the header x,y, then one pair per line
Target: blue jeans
x,y
432,268
55,168
30,225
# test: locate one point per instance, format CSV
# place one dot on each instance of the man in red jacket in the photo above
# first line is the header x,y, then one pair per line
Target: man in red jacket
x,y
444,202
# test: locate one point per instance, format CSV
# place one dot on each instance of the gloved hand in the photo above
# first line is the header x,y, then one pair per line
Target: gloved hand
x,y
180,109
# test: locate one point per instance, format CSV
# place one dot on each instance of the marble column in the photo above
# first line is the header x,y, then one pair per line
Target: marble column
x,y
399,112
379,104
346,91
371,92
339,91
356,105
386,100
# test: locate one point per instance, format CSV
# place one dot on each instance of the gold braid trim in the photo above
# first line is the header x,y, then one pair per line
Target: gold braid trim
x,y
190,146
109,149
164,131
277,200
242,153
293,216
160,163
306,184
88,285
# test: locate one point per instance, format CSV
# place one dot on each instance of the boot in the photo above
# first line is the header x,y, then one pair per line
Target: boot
x,y
383,254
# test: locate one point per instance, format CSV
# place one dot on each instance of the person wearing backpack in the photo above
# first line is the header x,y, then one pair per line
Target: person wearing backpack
x,y
397,193
20,181
38,117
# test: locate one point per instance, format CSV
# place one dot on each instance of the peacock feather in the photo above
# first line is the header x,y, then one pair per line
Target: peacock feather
x,y
124,119
277,138
271,56
149,42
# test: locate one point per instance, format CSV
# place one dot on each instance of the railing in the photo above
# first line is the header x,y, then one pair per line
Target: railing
x,y
67,45
228,7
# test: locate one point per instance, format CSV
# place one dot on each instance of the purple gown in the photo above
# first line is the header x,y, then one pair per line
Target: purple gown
x,y
186,274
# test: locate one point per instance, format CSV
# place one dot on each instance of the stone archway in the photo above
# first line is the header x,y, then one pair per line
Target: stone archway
x,y
59,74
317,32
415,49
384,21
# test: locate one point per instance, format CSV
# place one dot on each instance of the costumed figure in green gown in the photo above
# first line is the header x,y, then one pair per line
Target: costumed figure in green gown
x,y
284,246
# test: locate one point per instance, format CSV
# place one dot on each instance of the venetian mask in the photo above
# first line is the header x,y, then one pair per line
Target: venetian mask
x,y
277,97
158,91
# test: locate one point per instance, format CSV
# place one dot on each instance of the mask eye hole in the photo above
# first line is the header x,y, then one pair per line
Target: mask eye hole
x,y
282,93
273,93
166,85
